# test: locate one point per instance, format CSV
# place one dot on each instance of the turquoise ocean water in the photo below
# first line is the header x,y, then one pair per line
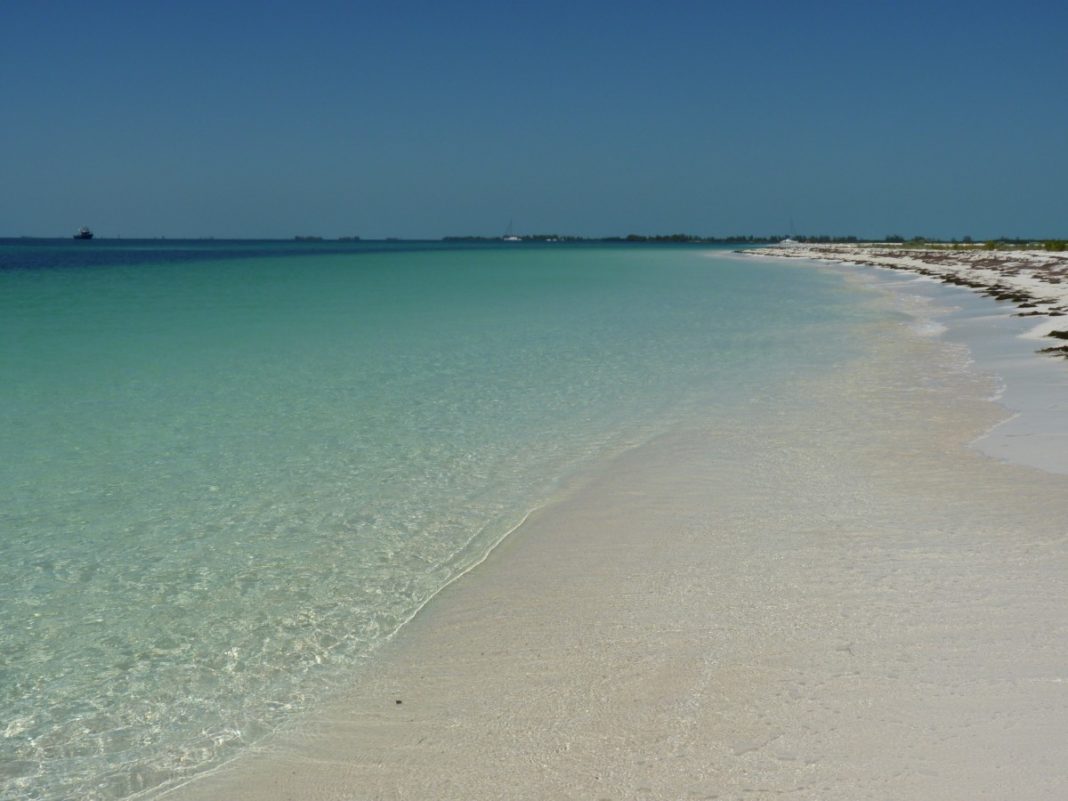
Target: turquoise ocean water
x,y
229,470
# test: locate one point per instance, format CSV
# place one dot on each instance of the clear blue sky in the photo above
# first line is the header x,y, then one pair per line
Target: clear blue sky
x,y
412,118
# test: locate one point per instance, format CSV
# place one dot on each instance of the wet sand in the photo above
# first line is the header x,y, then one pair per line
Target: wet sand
x,y
828,598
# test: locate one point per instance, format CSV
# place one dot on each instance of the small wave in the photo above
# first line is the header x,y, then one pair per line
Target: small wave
x,y
927,328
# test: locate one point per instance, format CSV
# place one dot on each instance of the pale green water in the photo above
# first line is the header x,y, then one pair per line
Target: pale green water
x,y
227,476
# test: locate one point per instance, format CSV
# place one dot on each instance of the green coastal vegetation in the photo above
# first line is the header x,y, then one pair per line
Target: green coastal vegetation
x,y
967,243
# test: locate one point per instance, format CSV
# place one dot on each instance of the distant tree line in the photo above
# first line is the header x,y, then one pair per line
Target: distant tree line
x,y
1004,243
812,239
737,239
688,239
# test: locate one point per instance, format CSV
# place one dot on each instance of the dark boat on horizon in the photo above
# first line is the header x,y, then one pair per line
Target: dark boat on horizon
x,y
83,233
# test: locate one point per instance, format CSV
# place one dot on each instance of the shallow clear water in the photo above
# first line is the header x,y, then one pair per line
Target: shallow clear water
x,y
230,470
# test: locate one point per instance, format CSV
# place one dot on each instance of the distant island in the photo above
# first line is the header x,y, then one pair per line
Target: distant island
x,y
685,239
742,240
1002,243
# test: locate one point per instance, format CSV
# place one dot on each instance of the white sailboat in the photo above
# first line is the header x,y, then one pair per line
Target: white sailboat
x,y
509,236
789,242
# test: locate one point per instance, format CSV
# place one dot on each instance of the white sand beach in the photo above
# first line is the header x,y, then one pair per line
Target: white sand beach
x,y
843,602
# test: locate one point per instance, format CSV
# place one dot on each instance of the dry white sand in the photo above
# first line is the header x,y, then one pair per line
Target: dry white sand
x,y
840,601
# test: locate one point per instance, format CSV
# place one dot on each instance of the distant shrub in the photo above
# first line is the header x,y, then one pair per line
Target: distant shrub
x,y
1055,244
